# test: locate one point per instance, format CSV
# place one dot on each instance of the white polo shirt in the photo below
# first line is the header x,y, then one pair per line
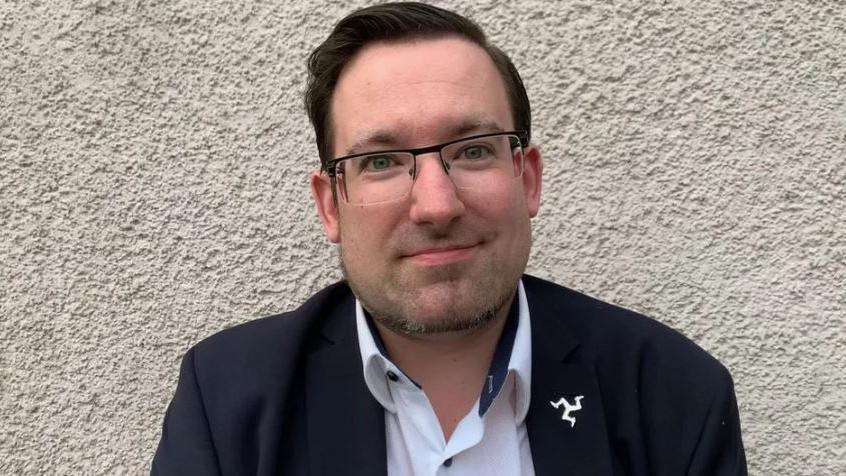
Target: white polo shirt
x,y
491,439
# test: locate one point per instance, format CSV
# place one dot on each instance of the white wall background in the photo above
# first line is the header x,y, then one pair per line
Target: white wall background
x,y
153,190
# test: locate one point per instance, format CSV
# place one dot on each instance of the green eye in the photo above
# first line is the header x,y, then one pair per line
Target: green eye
x,y
378,162
475,152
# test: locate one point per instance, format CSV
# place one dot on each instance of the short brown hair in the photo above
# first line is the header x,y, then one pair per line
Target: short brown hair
x,y
396,22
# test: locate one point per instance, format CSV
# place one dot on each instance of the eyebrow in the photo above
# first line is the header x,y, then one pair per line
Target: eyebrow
x,y
388,137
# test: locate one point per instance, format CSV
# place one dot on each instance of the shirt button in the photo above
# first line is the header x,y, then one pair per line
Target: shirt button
x,y
448,462
392,376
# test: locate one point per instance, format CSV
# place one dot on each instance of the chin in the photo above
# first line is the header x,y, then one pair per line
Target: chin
x,y
438,313
419,325
449,299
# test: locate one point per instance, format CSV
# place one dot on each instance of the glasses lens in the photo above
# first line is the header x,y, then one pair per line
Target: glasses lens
x,y
376,177
479,162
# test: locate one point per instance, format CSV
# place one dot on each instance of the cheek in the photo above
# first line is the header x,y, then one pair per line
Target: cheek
x,y
504,205
365,234
509,217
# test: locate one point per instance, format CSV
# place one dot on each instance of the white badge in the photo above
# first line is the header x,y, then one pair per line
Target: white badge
x,y
568,408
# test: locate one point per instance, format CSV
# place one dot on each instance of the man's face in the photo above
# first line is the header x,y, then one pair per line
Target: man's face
x,y
441,259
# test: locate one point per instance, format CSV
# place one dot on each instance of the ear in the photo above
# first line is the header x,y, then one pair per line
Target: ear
x,y
532,172
327,206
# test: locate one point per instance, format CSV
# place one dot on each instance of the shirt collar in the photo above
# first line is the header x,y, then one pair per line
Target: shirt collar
x,y
376,365
514,348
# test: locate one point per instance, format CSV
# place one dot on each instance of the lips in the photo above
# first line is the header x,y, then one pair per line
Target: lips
x,y
441,255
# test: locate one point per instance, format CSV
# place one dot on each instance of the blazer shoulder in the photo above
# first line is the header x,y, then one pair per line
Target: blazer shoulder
x,y
610,334
272,339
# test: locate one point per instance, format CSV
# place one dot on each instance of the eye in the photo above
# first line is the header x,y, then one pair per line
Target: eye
x,y
375,163
476,152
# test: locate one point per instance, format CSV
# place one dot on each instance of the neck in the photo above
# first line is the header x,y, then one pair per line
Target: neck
x,y
450,367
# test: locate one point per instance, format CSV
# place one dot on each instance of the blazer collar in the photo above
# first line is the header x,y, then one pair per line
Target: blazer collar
x,y
346,425
556,445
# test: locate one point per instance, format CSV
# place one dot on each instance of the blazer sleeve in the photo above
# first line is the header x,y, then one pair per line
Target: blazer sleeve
x,y
186,446
719,451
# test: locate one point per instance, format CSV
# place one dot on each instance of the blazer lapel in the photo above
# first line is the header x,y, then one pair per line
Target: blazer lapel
x,y
579,444
346,425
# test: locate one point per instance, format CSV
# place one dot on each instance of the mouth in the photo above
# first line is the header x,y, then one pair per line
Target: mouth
x,y
438,256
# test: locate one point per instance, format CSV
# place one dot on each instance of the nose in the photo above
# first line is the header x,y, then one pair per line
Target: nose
x,y
434,198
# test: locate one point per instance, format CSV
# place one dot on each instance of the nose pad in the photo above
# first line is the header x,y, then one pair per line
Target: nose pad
x,y
444,166
414,171
435,200
433,191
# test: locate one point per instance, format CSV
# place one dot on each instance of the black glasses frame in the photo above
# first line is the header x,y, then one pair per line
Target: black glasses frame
x,y
331,166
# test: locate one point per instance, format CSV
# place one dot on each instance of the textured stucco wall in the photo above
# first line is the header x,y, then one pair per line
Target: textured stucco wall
x,y
153,190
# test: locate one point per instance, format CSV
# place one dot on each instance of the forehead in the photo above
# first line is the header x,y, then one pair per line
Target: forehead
x,y
414,93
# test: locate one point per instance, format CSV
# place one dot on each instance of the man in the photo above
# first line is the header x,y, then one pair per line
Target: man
x,y
437,355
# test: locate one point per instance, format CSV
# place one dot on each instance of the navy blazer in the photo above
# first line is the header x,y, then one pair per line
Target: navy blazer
x,y
285,395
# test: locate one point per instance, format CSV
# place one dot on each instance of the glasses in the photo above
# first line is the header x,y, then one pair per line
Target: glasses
x,y
477,162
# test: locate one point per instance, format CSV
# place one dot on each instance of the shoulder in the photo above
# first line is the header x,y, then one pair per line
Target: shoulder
x,y
613,338
271,343
669,405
